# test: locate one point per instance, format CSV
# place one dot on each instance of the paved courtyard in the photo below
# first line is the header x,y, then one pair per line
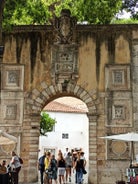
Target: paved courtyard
x,y
72,180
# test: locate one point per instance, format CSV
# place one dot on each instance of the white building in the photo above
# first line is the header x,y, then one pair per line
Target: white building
x,y
71,129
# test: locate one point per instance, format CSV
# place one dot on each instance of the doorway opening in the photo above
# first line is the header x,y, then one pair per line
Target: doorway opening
x,y
71,129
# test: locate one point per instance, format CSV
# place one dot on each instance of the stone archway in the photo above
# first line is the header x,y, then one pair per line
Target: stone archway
x,y
34,103
71,60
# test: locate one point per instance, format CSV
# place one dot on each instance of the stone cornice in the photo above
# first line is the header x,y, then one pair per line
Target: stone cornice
x,y
79,27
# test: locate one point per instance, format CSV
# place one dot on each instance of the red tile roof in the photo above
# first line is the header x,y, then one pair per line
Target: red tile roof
x,y
56,106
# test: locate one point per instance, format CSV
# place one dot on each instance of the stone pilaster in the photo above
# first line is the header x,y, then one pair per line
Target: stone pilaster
x,y
92,148
135,86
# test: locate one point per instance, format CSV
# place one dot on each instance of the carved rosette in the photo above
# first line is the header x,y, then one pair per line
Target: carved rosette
x,y
118,150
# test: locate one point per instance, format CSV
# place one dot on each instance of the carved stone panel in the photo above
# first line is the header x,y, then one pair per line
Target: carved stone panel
x,y
117,77
11,112
64,63
117,150
7,149
118,110
12,77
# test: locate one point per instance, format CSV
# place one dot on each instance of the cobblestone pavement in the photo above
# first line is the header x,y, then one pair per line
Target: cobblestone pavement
x,y
72,179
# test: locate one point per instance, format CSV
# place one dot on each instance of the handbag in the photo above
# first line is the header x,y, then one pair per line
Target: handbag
x,y
49,170
84,171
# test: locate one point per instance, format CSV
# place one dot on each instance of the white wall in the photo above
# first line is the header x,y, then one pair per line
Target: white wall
x,y
75,124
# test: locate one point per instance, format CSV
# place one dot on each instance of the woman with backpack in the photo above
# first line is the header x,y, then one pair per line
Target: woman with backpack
x,y
79,167
41,167
53,169
16,165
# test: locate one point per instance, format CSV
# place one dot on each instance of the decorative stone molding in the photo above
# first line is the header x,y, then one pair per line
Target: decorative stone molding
x,y
64,51
64,64
12,112
37,101
117,77
12,77
118,150
118,109
118,101
34,106
11,108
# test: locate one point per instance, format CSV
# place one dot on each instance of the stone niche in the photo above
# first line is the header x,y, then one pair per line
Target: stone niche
x,y
12,80
12,77
11,106
118,108
118,101
117,77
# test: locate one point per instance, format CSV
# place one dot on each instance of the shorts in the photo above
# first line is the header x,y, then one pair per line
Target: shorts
x,y
61,171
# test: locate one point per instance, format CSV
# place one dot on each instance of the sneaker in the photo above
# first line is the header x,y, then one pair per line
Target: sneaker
x,y
69,179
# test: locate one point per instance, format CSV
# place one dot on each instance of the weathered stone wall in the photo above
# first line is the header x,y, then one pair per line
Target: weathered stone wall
x,y
94,63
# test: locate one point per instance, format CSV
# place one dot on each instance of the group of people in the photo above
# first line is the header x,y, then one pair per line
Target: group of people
x,y
61,168
12,170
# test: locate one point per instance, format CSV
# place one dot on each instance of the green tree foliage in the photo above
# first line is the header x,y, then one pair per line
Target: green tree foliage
x,y
46,123
99,12
125,21
17,12
25,12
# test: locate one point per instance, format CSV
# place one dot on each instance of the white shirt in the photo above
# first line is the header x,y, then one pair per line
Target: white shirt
x,y
15,161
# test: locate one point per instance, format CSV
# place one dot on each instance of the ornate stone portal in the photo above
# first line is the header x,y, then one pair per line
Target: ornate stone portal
x,y
65,50
97,64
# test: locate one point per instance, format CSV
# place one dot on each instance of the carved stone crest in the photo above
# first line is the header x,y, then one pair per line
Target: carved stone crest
x,y
63,27
64,63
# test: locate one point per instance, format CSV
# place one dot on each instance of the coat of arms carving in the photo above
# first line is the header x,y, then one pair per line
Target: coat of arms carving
x,y
63,27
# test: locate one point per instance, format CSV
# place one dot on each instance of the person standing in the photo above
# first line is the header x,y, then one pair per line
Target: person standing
x,y
79,166
47,164
4,175
61,168
84,160
74,158
41,167
17,167
65,154
3,168
59,152
53,168
68,160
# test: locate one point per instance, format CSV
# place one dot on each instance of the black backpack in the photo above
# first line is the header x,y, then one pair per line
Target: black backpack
x,y
41,163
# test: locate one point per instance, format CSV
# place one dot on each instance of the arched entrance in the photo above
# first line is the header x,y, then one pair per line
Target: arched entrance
x,y
89,62
70,132
36,100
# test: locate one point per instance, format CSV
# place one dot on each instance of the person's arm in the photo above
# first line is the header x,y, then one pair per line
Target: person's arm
x,y
85,162
12,160
74,165
38,165
73,162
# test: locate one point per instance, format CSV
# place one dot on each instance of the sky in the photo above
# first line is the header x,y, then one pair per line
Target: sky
x,y
123,15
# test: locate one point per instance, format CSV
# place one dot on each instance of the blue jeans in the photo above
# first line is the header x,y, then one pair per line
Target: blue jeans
x,y
41,176
79,175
